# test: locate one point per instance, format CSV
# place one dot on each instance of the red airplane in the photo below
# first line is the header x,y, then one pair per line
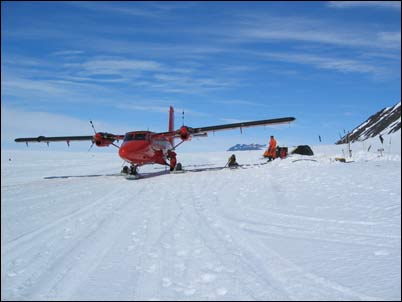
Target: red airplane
x,y
146,147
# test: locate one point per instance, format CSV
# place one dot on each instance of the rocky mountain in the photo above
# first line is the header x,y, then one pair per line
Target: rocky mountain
x,y
385,121
245,147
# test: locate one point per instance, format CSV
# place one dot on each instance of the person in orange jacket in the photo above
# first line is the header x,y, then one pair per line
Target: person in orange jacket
x,y
271,152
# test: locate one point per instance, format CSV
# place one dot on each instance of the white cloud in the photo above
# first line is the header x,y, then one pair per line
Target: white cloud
x,y
19,60
67,52
234,102
108,8
160,109
322,62
390,38
314,31
148,108
58,90
17,86
117,66
22,123
353,4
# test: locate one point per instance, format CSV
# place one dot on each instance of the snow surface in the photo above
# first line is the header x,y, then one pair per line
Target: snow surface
x,y
301,228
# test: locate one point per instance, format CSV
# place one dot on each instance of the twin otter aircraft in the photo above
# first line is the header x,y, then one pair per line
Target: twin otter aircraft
x,y
146,147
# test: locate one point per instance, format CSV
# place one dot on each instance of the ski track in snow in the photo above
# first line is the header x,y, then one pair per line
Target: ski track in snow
x,y
283,231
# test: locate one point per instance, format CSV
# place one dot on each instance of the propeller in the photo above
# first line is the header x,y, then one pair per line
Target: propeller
x,y
91,146
93,141
93,126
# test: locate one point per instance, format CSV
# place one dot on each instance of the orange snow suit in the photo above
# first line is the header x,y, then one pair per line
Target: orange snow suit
x,y
271,152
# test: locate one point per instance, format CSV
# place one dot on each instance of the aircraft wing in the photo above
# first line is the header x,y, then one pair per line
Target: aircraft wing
x,y
53,139
243,125
186,132
101,139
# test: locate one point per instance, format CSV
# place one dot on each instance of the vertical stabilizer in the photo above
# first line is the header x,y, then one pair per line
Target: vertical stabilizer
x,y
171,119
171,123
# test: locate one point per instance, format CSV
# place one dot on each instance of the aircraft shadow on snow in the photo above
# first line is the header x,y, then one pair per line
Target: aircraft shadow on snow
x,y
153,174
143,175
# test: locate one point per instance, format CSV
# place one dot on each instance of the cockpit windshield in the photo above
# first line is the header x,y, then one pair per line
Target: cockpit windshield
x,y
136,137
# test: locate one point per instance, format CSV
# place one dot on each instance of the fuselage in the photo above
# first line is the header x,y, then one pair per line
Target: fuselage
x,y
144,147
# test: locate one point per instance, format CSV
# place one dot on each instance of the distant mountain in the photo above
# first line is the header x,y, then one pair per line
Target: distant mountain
x,y
245,147
385,121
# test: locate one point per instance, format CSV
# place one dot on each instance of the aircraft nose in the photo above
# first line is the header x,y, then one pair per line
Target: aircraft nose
x,y
122,152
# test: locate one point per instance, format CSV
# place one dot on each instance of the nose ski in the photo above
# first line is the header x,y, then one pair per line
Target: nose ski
x,y
130,173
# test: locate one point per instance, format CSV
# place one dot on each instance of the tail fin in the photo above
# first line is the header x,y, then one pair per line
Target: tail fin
x,y
171,119
171,123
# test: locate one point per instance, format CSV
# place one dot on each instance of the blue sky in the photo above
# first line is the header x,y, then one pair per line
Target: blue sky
x,y
121,64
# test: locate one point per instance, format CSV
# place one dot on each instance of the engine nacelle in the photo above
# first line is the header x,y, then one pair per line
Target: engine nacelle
x,y
102,139
185,133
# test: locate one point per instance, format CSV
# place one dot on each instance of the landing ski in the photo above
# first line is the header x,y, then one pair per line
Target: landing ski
x,y
132,176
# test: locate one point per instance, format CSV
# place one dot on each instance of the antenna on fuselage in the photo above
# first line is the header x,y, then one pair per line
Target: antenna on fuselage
x,y
182,118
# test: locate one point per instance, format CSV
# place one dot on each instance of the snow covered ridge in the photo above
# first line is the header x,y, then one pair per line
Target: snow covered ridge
x,y
386,121
301,228
245,147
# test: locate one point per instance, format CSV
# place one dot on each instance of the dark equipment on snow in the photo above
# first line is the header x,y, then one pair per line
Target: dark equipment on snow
x,y
341,159
281,152
232,162
303,150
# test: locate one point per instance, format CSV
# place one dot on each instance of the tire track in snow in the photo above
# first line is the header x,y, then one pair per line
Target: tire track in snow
x,y
250,280
89,252
33,282
293,277
162,221
268,267
325,235
312,228
36,258
29,236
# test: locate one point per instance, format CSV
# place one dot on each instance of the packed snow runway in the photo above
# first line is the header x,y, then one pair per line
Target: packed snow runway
x,y
287,230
